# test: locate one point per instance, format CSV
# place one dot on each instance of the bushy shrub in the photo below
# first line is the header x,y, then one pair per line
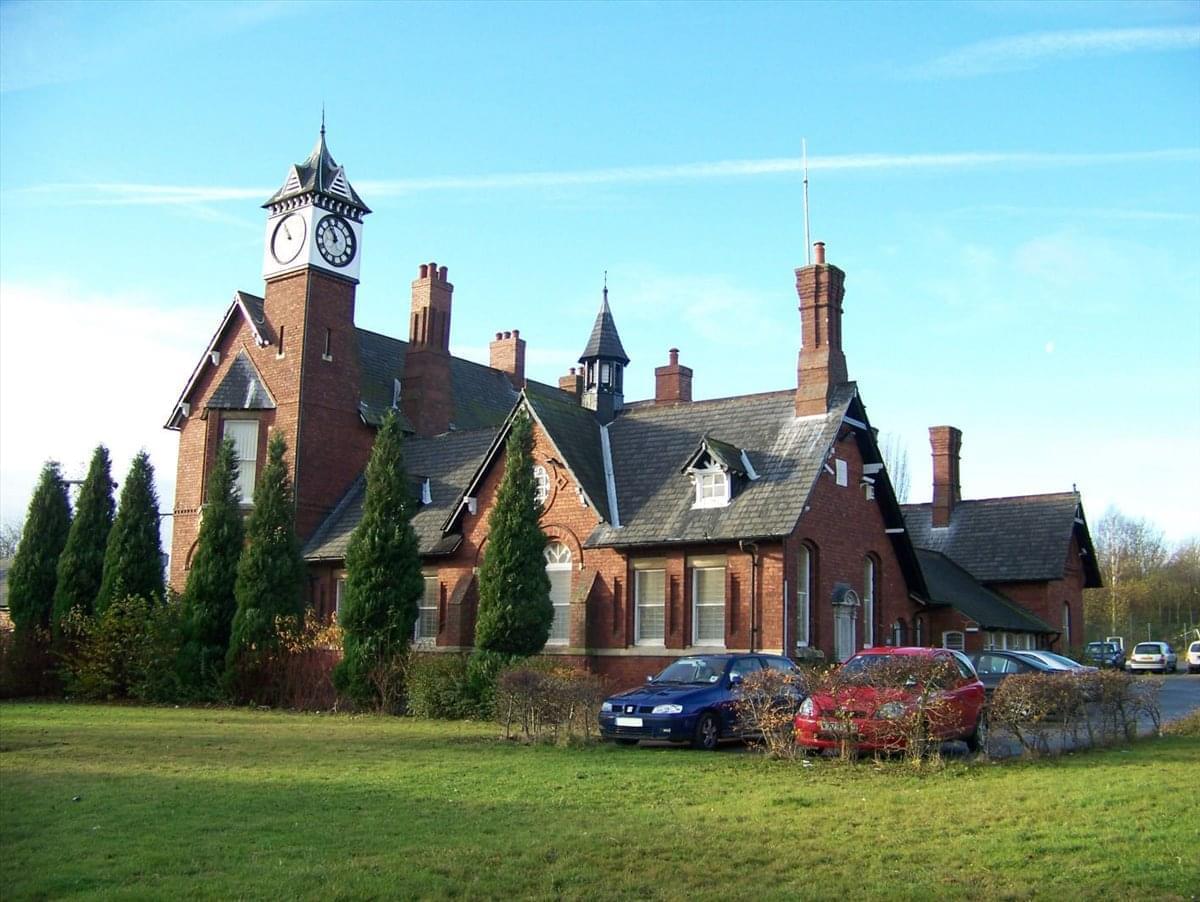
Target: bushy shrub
x,y
302,670
27,665
126,651
483,669
548,701
437,685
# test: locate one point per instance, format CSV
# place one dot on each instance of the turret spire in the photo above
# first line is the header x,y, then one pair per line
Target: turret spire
x,y
604,361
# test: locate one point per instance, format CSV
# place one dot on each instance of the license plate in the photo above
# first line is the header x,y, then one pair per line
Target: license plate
x,y
837,726
629,721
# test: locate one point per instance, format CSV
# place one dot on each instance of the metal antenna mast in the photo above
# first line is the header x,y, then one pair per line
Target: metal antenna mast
x,y
807,236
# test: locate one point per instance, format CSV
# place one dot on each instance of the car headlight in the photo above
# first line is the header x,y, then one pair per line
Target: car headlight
x,y
890,711
606,707
667,709
807,708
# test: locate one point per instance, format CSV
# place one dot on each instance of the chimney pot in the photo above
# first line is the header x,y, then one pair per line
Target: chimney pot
x,y
424,271
673,353
499,335
443,273
508,335
819,253
516,333
432,270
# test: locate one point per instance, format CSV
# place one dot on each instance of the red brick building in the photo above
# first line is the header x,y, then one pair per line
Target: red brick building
x,y
762,522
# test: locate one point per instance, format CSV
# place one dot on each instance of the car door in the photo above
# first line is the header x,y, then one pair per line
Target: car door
x,y
739,670
966,697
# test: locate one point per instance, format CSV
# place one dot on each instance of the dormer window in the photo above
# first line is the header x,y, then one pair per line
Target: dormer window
x,y
712,487
713,468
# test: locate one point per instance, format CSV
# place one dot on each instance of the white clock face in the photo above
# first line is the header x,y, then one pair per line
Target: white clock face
x,y
288,239
335,240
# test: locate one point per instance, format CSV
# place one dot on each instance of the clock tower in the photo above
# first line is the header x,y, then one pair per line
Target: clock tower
x,y
312,249
315,219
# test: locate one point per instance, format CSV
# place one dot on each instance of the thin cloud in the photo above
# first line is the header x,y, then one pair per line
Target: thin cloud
x,y
1109,213
1030,50
135,194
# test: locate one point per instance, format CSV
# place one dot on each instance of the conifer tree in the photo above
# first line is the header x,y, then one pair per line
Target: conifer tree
x,y
209,602
133,557
383,575
33,576
515,612
270,573
82,562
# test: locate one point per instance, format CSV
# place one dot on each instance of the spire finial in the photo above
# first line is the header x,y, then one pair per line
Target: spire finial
x,y
606,286
322,119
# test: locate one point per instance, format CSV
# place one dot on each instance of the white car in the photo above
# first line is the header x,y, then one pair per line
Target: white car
x,y
1193,658
1152,656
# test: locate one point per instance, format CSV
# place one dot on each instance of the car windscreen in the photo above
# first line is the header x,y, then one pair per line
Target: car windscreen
x,y
693,670
1106,648
897,670
1148,648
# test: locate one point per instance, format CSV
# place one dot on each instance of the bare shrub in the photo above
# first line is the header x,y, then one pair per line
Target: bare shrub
x,y
766,710
547,701
1034,706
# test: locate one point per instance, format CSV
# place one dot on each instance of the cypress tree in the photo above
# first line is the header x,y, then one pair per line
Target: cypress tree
x,y
133,557
34,572
270,572
383,574
209,602
515,612
82,562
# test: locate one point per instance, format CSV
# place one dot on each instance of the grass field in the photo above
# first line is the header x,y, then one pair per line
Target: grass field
x,y
234,803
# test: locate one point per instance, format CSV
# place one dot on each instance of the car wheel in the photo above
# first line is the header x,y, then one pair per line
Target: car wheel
x,y
977,741
708,732
627,742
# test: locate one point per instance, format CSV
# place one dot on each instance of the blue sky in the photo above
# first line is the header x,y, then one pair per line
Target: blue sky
x,y
1012,188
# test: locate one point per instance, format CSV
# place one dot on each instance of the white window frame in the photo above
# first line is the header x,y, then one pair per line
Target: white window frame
x,y
640,604
841,472
541,481
1066,623
870,578
712,487
558,560
697,604
947,641
427,602
247,467
804,596
897,634
339,592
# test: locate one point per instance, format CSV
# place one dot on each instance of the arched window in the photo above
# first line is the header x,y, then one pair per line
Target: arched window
x,y
952,639
804,587
870,572
1066,624
541,490
558,568
918,631
898,632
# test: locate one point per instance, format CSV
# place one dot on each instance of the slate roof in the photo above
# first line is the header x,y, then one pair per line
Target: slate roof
x,y
483,397
654,500
1006,539
319,174
949,584
242,388
604,340
448,461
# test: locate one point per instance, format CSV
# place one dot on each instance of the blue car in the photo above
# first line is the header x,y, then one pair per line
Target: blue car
x,y
692,701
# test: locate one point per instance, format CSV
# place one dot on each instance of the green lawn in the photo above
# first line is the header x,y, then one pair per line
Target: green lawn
x,y
225,803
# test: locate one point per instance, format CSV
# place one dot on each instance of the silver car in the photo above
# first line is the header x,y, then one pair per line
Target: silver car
x,y
1158,656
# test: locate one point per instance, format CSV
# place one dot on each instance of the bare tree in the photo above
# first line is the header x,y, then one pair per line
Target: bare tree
x,y
10,537
895,461
1130,553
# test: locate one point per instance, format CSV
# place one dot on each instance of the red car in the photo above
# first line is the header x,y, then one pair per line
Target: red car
x,y
882,696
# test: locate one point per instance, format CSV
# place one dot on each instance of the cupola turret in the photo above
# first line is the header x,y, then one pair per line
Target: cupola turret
x,y
604,362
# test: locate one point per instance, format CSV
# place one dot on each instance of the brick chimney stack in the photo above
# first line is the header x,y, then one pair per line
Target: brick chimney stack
x,y
822,364
572,383
946,443
507,353
672,383
425,391
429,324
